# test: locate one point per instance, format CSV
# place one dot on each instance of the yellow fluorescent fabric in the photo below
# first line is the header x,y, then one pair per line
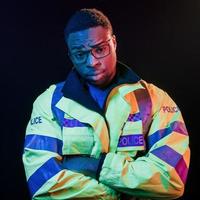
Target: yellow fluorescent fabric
x,y
160,172
46,177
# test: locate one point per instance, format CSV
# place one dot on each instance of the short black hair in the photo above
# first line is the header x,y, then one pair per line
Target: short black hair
x,y
86,18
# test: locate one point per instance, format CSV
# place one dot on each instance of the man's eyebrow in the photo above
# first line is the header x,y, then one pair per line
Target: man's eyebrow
x,y
77,47
96,45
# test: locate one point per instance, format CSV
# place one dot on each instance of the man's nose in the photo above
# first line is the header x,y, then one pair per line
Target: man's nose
x,y
91,60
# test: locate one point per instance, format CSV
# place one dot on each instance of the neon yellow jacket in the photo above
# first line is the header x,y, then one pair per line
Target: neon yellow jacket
x,y
140,129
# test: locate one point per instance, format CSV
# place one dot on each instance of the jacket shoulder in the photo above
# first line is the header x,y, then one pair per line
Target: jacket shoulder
x,y
46,96
157,95
43,102
152,89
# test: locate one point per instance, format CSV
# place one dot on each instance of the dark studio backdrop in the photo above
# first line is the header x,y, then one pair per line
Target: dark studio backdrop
x,y
160,40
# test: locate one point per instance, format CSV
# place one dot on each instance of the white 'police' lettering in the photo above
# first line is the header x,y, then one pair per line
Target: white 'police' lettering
x,y
36,120
170,109
131,140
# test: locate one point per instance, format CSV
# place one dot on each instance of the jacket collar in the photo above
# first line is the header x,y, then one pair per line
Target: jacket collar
x,y
76,89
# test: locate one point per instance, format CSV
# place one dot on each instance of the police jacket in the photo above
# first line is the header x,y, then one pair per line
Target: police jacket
x,y
136,146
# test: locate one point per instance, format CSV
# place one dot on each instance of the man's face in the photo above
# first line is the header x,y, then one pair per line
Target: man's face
x,y
93,54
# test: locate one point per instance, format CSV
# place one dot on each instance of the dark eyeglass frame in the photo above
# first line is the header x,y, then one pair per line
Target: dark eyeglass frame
x,y
91,51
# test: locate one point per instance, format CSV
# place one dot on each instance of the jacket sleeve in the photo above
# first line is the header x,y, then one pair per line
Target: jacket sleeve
x,y
42,158
162,171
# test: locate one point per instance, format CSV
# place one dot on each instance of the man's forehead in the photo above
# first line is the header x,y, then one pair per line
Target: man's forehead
x,y
88,37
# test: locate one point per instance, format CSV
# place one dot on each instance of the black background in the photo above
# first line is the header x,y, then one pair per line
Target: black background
x,y
160,40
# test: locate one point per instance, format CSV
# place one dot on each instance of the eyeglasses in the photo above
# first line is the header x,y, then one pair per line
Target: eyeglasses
x,y
99,51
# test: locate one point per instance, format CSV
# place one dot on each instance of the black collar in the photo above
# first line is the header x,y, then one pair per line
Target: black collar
x,y
75,88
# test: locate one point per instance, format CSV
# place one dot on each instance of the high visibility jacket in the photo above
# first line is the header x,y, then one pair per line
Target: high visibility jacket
x,y
140,129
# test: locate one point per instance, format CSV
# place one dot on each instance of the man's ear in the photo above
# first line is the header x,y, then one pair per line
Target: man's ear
x,y
114,41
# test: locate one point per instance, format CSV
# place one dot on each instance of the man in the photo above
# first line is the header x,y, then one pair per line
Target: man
x,y
104,133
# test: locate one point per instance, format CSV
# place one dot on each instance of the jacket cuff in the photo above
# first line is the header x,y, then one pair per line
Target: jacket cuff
x,y
114,161
112,167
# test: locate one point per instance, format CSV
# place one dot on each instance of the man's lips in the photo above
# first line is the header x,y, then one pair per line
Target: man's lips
x,y
96,74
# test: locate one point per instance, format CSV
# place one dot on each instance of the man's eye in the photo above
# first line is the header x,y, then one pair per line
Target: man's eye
x,y
79,54
100,49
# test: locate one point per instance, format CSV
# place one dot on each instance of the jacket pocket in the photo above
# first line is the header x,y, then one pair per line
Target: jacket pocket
x,y
77,138
132,139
